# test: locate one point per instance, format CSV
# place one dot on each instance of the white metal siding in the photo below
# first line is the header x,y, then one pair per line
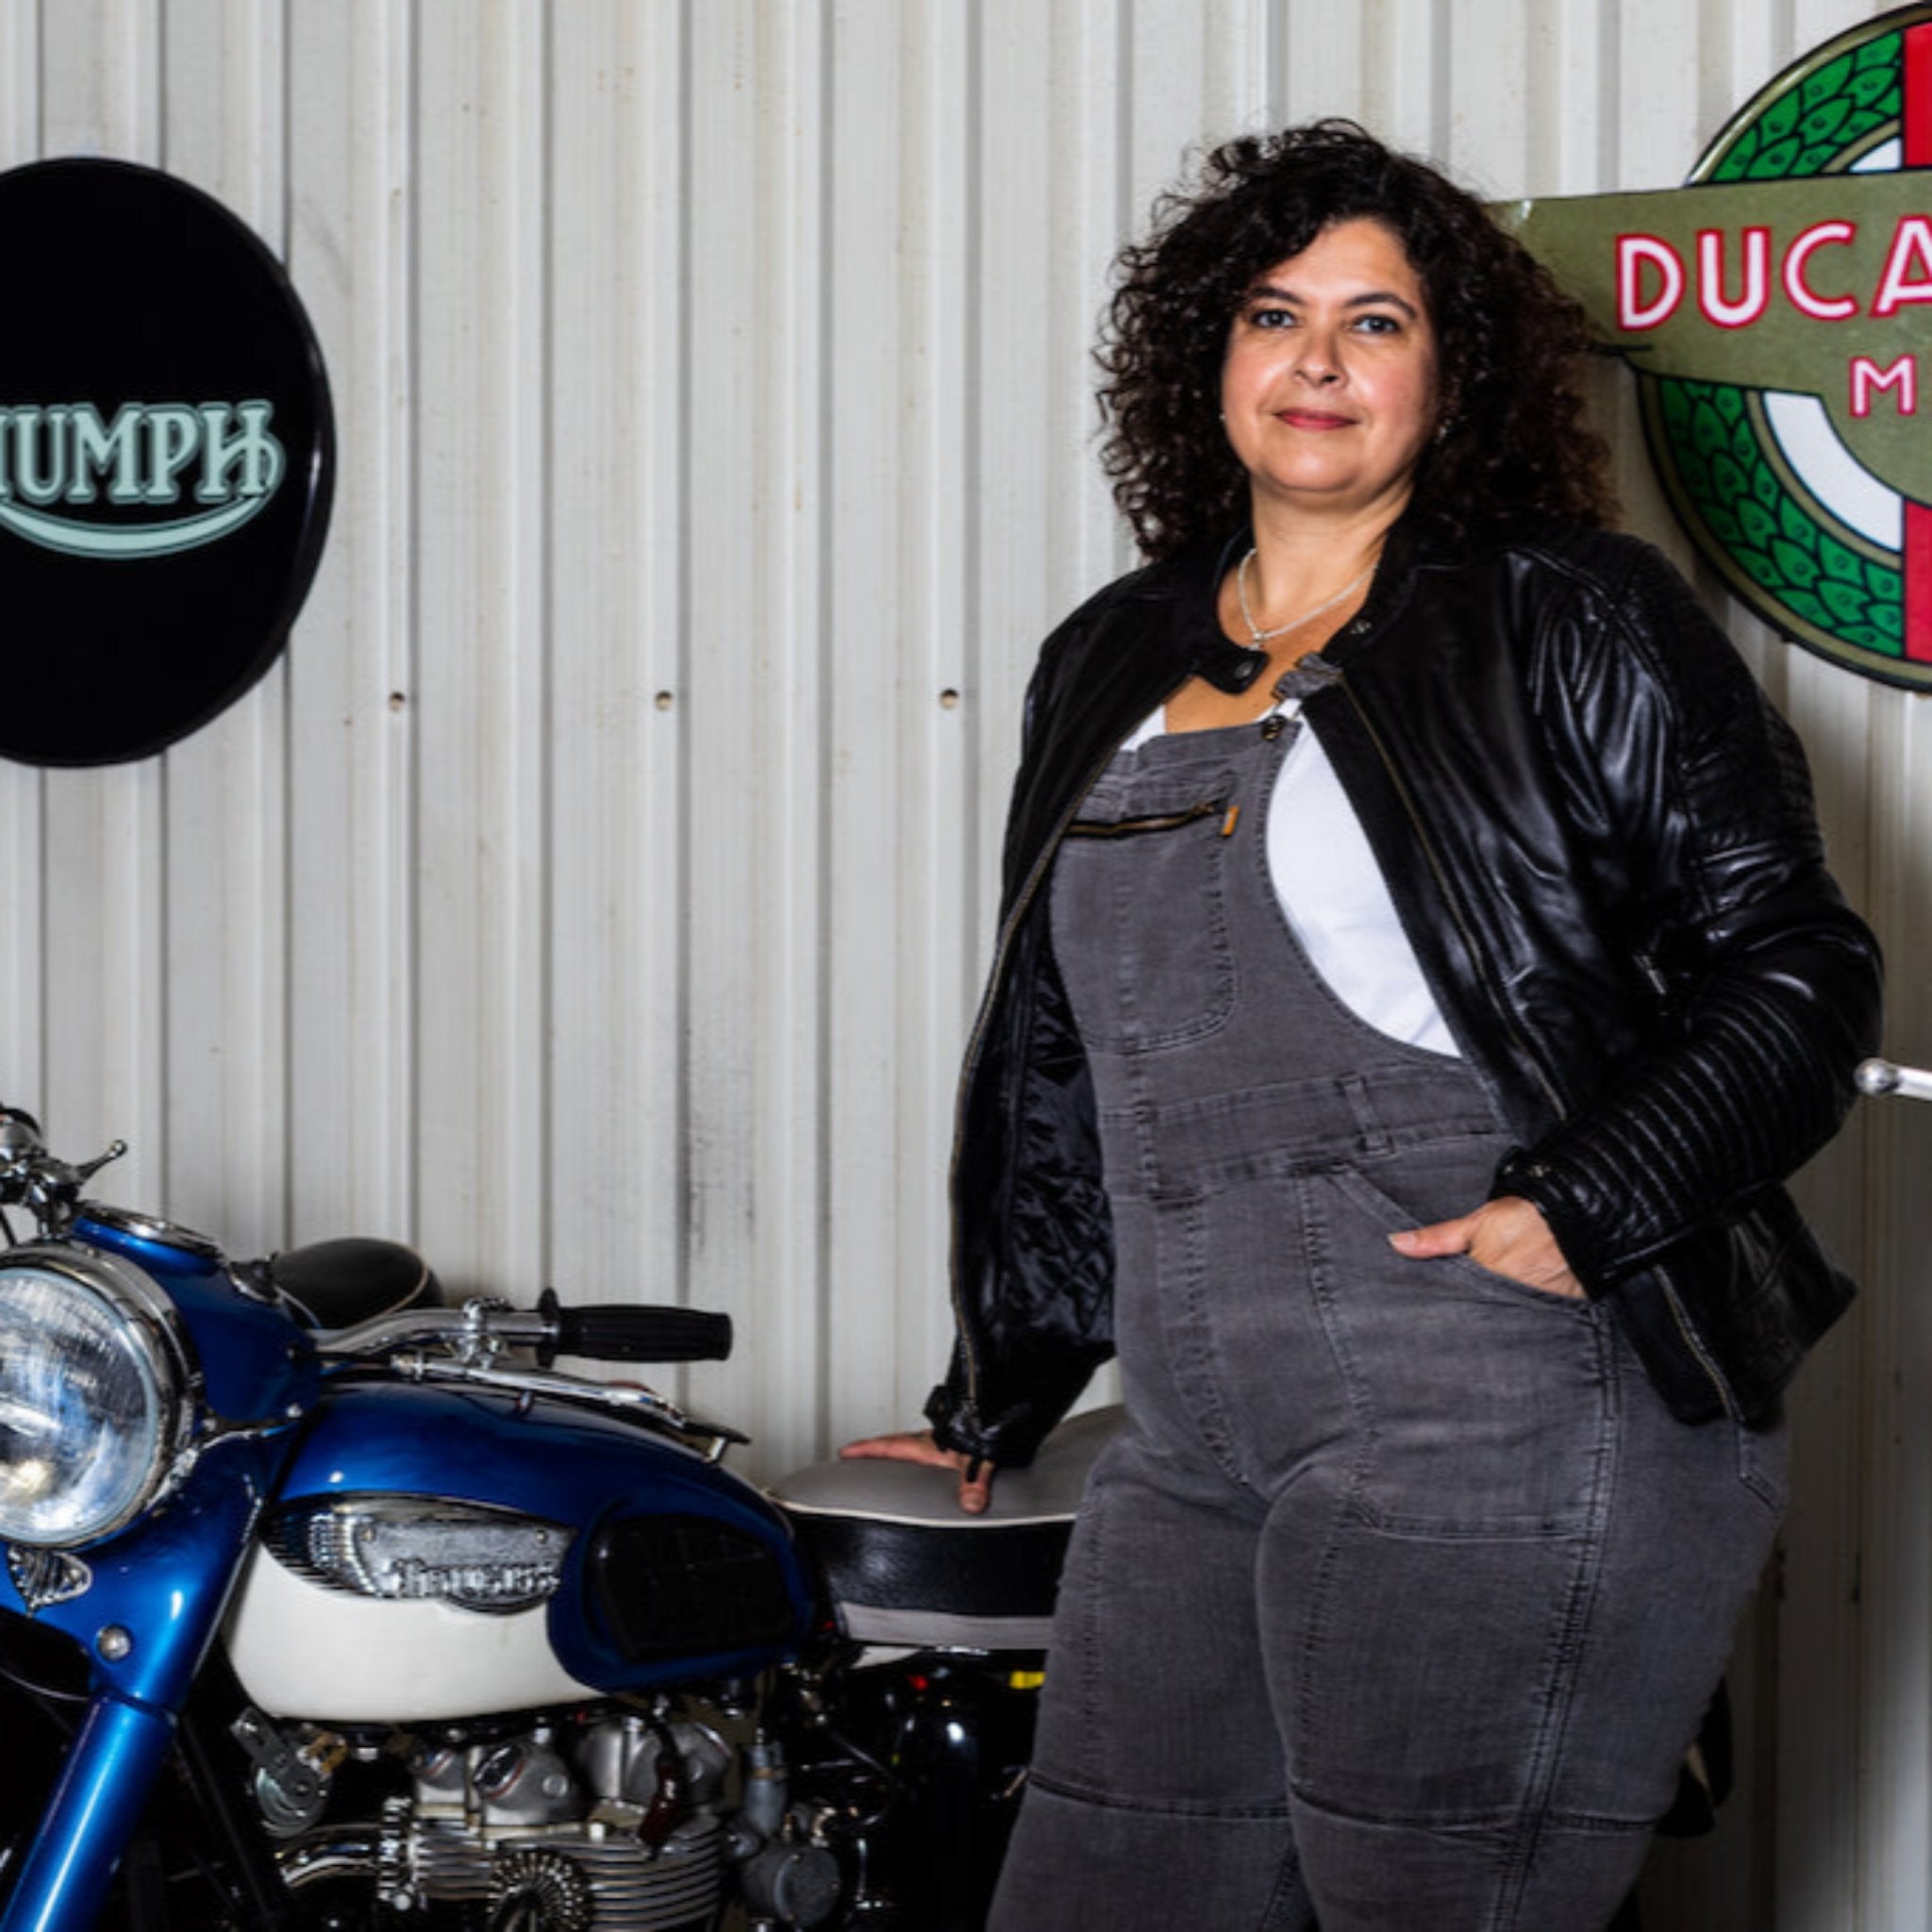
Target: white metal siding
x,y
597,894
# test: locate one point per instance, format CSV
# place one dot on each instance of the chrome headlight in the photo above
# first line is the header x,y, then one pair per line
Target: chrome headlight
x,y
94,1384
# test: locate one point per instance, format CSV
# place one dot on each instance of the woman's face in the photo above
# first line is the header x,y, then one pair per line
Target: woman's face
x,y
1329,385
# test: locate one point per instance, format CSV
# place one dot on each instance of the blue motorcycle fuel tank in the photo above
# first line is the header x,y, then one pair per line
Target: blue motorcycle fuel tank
x,y
404,1504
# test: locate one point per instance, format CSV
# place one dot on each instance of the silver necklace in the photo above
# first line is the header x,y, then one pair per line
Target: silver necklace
x,y
1281,630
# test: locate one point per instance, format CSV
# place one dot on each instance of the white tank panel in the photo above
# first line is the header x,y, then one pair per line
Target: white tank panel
x,y
305,1652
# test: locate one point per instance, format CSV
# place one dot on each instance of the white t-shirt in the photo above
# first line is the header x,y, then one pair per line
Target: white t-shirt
x,y
1333,897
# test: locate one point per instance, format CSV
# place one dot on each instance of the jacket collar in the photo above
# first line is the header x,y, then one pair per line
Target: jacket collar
x,y
1192,581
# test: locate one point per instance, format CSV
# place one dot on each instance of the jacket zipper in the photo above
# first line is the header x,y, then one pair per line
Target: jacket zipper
x,y
1678,1313
1694,1343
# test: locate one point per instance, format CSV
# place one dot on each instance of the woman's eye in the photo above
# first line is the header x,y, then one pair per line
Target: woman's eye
x,y
1272,318
1377,325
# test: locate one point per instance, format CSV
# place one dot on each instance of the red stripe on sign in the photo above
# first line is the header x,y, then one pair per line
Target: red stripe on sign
x,y
1918,561
1916,130
1916,141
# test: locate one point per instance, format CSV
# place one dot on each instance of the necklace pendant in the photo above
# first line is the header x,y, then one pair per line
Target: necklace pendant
x,y
1262,638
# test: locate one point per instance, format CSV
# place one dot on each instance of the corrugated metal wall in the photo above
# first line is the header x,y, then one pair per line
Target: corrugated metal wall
x,y
598,891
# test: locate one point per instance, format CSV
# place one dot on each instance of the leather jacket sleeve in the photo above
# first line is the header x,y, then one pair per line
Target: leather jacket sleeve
x,y
1766,985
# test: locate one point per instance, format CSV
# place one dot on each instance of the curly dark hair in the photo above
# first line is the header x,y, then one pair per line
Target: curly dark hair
x,y
1515,439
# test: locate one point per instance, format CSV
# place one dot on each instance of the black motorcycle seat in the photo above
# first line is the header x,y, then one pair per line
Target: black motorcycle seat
x,y
905,1565
337,1284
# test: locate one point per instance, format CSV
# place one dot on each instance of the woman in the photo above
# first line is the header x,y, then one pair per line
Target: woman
x,y
1417,973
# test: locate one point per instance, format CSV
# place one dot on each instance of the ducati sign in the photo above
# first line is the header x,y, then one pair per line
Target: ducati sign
x,y
1778,313
166,457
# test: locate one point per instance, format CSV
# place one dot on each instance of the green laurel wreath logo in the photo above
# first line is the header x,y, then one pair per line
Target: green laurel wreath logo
x,y
1718,449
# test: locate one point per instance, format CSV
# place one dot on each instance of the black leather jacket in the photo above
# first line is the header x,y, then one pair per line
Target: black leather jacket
x,y
1600,840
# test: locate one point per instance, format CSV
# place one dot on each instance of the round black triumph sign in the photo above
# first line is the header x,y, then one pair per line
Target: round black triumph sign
x,y
166,459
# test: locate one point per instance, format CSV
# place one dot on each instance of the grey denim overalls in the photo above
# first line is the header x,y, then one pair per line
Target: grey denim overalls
x,y
1400,1598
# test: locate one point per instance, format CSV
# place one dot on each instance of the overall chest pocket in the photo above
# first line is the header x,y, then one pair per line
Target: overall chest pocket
x,y
1139,908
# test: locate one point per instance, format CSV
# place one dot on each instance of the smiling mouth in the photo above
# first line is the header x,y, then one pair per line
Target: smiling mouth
x,y
1313,418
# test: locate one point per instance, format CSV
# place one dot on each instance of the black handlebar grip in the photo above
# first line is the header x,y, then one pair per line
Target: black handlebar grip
x,y
633,1333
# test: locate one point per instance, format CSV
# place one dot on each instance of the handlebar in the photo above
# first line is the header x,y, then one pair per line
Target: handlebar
x,y
33,1176
632,1334
40,1181
466,1346
1882,1077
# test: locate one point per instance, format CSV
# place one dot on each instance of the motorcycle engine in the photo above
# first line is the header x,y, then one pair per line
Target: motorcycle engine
x,y
616,1822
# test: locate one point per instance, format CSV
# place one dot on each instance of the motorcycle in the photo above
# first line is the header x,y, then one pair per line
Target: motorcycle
x,y
327,1605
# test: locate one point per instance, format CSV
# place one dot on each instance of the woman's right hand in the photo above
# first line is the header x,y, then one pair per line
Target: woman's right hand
x,y
917,1445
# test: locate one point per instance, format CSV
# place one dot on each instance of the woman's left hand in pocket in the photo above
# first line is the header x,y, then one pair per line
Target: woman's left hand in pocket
x,y
1507,1236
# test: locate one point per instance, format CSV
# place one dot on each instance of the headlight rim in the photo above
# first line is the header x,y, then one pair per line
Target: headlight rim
x,y
149,1316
